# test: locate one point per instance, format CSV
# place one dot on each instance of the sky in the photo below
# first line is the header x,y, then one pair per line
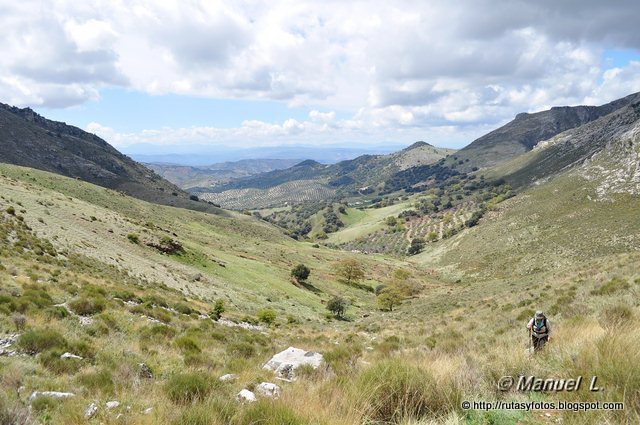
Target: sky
x,y
319,73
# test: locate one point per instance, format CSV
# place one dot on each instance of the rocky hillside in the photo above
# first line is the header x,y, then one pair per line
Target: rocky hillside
x,y
527,130
30,140
311,180
605,147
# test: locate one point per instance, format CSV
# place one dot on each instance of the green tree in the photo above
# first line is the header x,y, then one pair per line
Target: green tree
x,y
300,272
218,309
417,245
350,271
389,297
337,306
391,221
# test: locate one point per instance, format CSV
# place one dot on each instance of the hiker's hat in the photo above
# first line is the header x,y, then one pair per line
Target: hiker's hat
x,y
539,313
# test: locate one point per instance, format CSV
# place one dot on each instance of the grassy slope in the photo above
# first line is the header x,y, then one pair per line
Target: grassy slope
x,y
256,255
359,223
451,342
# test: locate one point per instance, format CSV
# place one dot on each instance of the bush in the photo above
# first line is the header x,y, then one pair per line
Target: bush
x,y
187,345
393,391
38,340
267,316
52,361
185,388
87,306
218,309
101,380
616,315
11,210
300,272
270,412
133,238
614,285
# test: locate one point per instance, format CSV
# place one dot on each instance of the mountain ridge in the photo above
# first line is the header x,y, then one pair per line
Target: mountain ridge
x,y
30,140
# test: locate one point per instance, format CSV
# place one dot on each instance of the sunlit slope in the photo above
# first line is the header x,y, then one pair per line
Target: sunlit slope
x,y
244,260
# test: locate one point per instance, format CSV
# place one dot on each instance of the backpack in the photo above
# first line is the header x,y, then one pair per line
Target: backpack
x,y
535,329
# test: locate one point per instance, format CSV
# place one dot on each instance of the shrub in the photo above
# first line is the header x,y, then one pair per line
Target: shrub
x,y
417,245
52,361
187,345
133,238
393,391
270,412
218,309
11,210
616,315
242,349
19,321
101,380
267,316
157,333
343,358
57,312
38,340
87,306
188,387
614,285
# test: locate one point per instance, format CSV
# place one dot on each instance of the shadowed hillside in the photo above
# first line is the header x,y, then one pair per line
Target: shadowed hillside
x,y
30,140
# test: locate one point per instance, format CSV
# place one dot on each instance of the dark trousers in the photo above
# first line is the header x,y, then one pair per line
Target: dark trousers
x,y
538,343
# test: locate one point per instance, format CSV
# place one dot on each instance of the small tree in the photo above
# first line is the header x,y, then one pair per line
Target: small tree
x,y
300,272
350,271
388,298
417,245
337,306
218,309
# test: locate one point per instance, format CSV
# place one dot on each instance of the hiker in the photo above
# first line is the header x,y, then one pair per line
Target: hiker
x,y
540,330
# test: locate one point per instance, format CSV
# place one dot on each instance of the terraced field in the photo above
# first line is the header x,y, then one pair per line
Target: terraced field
x,y
290,192
391,240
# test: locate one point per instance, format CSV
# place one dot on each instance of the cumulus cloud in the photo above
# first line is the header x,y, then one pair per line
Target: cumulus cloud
x,y
403,66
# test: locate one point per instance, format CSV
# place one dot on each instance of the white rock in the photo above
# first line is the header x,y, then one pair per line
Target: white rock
x,y
286,362
228,377
246,396
70,356
91,411
268,389
52,394
112,404
148,410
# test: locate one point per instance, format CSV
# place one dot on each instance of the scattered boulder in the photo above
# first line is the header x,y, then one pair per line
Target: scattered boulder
x,y
243,325
246,396
7,342
144,371
70,356
268,389
228,377
91,411
112,404
286,362
52,394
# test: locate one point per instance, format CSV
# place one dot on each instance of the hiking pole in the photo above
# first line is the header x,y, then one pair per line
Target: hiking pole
x,y
531,349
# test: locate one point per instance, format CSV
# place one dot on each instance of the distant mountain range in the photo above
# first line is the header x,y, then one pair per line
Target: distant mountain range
x,y
203,155
188,177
